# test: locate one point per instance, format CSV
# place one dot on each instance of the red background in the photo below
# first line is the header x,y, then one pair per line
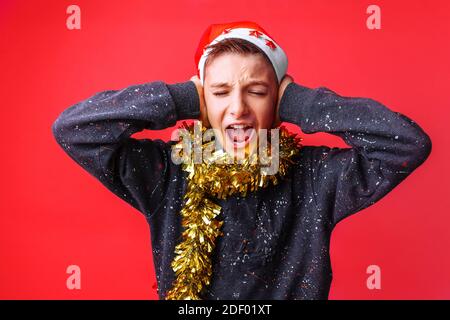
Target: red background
x,y
53,214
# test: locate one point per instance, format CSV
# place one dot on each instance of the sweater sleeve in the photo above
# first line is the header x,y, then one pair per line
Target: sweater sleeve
x,y
386,147
96,133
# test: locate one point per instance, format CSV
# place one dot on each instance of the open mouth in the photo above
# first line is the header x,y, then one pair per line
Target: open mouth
x,y
239,134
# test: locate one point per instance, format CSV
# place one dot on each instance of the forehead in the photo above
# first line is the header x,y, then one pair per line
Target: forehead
x,y
238,67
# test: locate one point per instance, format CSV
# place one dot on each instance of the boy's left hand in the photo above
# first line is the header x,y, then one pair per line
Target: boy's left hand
x,y
284,83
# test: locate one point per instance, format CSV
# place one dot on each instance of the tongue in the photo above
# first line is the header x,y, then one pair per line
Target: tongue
x,y
239,135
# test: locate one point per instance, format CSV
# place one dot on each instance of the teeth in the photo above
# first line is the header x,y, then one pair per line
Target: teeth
x,y
238,126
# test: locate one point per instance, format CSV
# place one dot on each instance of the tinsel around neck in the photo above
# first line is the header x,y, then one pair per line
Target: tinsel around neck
x,y
216,177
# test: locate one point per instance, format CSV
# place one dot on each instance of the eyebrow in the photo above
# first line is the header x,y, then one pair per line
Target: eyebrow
x,y
253,82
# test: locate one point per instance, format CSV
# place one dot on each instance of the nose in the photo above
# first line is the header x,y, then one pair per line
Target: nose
x,y
238,107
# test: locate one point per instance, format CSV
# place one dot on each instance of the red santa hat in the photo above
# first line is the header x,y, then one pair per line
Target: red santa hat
x,y
246,30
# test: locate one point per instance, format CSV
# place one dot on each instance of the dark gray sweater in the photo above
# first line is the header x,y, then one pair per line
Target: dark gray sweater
x,y
276,241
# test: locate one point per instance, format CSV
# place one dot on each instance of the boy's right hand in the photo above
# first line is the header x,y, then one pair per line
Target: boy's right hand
x,y
203,112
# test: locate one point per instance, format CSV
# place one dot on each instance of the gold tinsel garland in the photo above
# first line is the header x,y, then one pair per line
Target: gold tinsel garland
x,y
215,177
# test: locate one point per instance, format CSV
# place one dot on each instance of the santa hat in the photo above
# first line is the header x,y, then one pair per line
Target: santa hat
x,y
246,30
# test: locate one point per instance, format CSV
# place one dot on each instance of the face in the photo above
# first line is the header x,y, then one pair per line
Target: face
x,y
240,95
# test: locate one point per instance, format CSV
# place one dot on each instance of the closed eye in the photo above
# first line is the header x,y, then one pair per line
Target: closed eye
x,y
258,93
219,93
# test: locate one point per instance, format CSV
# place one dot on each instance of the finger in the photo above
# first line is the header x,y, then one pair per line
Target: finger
x,y
288,78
